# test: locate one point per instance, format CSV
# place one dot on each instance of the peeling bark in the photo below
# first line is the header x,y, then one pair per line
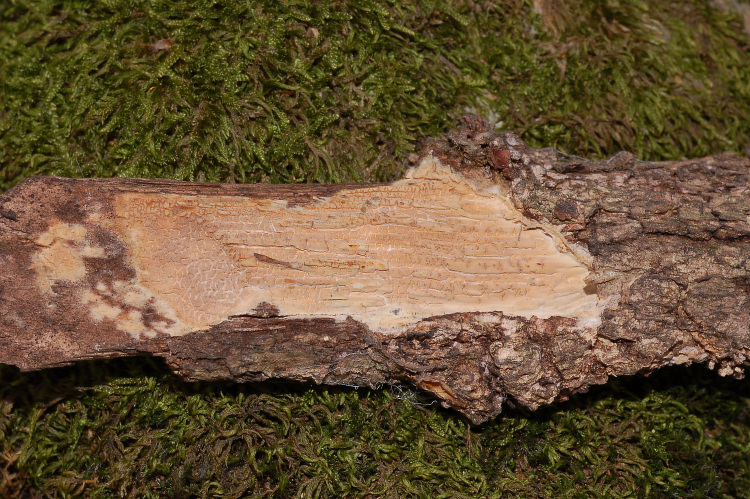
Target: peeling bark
x,y
491,273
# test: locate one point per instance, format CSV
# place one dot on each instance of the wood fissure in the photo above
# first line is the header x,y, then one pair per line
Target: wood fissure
x,y
490,273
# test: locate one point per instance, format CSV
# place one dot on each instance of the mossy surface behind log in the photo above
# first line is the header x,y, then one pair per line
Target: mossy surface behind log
x,y
336,90
304,91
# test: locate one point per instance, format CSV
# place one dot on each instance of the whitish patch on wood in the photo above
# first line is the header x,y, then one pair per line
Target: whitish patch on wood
x,y
61,257
390,255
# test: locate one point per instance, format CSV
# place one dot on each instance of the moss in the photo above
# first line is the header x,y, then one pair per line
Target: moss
x,y
332,91
130,428
242,91
327,91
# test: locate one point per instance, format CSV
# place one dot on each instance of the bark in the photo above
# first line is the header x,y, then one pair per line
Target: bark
x,y
491,273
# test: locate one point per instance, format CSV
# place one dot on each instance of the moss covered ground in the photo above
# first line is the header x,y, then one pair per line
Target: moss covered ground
x,y
333,91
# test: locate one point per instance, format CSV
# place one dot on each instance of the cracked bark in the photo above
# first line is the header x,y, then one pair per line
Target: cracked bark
x,y
664,249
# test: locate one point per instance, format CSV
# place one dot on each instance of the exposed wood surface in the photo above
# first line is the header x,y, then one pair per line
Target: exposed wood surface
x,y
489,273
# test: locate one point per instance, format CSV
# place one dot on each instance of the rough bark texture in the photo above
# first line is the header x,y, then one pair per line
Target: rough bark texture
x,y
663,248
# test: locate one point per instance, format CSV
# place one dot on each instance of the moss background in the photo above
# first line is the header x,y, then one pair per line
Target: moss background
x,y
330,91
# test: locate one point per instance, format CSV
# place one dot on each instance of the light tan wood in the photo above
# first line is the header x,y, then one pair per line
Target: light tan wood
x,y
388,256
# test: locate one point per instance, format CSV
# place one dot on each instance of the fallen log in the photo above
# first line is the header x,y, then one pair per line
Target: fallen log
x,y
490,273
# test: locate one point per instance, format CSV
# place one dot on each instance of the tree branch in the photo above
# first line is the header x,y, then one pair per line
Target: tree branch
x,y
490,273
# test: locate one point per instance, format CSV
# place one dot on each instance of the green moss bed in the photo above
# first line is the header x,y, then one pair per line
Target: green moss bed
x,y
335,91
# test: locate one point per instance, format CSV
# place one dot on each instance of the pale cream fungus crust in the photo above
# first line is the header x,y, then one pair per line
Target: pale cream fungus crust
x,y
61,257
431,244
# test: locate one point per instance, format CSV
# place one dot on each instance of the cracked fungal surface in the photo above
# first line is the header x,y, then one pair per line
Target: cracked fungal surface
x,y
386,255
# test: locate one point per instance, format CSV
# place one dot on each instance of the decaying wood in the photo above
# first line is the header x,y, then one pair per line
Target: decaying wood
x,y
490,273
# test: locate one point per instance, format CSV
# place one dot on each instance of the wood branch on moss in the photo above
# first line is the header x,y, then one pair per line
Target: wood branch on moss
x,y
490,273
